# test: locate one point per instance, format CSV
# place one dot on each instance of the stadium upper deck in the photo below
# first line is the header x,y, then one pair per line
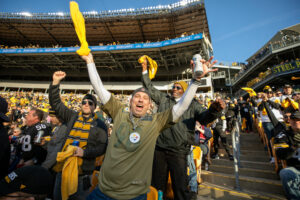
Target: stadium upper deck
x,y
105,27
274,64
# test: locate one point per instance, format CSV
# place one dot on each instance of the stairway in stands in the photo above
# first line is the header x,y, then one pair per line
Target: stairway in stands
x,y
257,177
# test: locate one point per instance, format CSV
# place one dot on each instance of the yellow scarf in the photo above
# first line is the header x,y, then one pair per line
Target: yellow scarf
x,y
80,132
152,65
79,25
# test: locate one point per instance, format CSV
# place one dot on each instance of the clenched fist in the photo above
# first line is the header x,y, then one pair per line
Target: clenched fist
x,y
57,77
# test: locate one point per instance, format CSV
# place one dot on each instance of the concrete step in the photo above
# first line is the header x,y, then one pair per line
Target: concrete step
x,y
209,191
246,182
260,157
267,174
245,164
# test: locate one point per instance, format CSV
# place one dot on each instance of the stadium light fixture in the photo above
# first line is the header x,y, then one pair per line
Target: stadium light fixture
x,y
27,14
60,14
183,3
93,12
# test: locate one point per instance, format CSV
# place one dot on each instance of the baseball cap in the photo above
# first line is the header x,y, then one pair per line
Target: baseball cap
x,y
29,179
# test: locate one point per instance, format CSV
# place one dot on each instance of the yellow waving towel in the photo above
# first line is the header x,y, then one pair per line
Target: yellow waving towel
x,y
69,182
152,65
79,25
250,91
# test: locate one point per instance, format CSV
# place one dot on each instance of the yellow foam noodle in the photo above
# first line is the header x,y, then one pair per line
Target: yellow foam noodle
x,y
79,25
152,65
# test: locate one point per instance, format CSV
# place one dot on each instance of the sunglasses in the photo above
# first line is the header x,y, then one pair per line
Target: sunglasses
x,y
176,87
90,102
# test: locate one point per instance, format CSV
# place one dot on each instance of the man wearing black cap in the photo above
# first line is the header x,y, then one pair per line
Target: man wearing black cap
x,y
29,182
84,130
290,176
126,170
4,141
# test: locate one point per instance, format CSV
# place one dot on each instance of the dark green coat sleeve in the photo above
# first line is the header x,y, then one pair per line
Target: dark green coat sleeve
x,y
156,95
206,116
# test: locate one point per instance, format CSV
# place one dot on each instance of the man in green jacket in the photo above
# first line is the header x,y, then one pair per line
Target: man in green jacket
x,y
126,170
174,143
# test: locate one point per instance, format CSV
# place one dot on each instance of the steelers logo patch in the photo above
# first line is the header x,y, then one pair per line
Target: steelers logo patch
x,y
134,137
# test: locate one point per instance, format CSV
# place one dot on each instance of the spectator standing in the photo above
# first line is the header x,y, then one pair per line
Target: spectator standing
x,y
174,144
126,170
83,127
290,176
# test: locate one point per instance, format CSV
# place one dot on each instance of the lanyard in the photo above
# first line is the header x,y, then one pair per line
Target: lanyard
x,y
135,125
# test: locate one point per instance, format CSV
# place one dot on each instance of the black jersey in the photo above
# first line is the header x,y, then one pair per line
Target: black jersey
x,y
30,150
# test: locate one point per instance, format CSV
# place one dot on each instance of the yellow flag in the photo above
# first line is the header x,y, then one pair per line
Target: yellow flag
x,y
250,91
79,25
152,65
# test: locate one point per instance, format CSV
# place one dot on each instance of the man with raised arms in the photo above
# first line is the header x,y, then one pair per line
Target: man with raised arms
x,y
127,167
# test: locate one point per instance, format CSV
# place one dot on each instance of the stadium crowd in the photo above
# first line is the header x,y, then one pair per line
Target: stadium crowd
x,y
50,141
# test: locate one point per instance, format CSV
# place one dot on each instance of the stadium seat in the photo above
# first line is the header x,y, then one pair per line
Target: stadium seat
x,y
277,161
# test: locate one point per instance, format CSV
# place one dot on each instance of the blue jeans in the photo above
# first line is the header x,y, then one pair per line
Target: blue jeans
x,y
268,128
290,178
193,173
96,194
79,195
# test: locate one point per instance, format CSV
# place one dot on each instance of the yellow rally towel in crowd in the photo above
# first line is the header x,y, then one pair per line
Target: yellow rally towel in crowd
x,y
244,124
250,91
79,25
289,102
69,182
152,65
260,124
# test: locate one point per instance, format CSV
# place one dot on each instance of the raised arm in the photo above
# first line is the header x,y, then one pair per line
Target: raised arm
x,y
54,97
156,95
97,84
180,107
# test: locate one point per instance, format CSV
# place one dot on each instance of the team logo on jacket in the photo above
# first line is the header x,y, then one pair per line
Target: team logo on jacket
x,y
134,137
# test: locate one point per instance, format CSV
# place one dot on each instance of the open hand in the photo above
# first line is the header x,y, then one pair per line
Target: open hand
x,y
207,67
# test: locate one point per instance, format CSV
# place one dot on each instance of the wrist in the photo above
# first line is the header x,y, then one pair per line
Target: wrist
x,y
55,82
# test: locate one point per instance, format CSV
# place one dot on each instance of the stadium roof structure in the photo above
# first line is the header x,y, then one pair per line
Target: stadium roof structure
x,y
123,26
114,62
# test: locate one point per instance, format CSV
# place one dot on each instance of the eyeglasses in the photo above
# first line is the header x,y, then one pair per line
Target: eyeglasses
x,y
176,87
90,102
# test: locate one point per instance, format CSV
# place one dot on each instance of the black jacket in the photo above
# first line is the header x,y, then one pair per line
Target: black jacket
x,y
180,136
97,140
4,151
290,154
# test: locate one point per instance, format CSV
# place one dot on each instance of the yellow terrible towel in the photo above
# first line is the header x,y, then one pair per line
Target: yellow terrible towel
x,y
152,65
250,91
69,182
79,25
